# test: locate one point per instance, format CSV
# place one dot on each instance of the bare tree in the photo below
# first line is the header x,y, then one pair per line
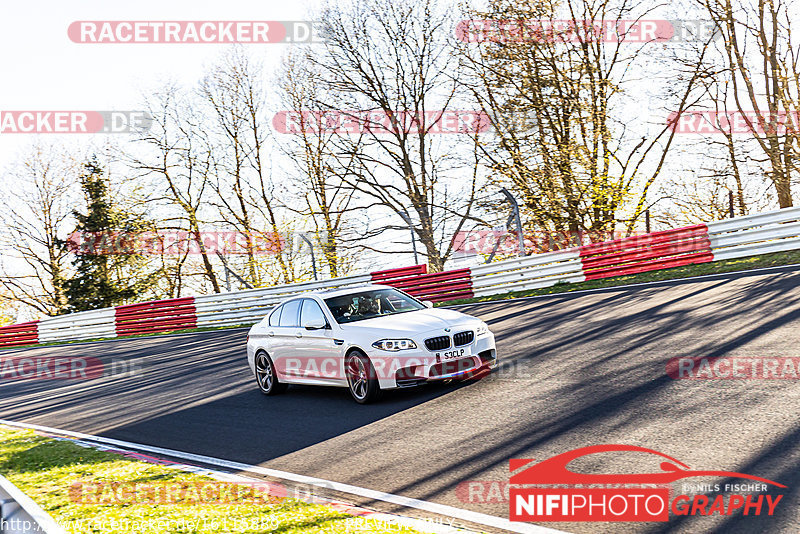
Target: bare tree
x,y
180,162
395,58
556,91
37,213
762,57
322,173
726,157
245,193
222,89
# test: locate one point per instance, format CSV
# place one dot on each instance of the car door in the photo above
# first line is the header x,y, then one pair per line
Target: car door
x,y
267,327
316,347
283,340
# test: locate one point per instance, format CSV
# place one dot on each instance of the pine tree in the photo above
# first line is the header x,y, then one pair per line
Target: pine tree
x,y
99,280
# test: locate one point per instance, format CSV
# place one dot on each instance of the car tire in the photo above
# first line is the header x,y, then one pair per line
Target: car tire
x,y
266,377
362,381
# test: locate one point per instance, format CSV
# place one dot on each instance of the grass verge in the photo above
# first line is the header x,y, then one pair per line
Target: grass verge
x,y
50,470
717,267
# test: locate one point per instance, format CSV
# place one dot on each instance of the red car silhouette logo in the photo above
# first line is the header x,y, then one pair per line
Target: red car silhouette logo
x,y
554,470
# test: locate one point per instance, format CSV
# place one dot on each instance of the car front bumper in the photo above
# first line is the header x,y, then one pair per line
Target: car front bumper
x,y
415,367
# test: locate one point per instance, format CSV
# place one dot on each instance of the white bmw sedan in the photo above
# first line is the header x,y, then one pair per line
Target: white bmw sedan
x,y
366,339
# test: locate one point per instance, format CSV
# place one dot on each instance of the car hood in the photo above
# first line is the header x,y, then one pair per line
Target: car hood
x,y
415,322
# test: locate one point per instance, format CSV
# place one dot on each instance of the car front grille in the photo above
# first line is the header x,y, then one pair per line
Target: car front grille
x,y
463,338
438,343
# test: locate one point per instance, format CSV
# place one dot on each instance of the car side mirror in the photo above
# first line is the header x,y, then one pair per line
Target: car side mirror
x,y
427,303
315,323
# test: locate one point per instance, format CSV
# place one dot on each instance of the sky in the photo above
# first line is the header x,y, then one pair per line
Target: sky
x,y
43,70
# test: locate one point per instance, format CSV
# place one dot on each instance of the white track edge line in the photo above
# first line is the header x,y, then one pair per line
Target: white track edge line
x,y
423,525
408,502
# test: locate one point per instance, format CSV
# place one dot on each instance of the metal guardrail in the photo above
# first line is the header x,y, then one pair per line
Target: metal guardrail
x,y
531,272
774,231
436,287
762,233
648,252
251,305
80,325
20,515
19,334
732,238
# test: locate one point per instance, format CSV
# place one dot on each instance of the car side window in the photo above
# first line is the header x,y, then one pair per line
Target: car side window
x,y
311,311
289,313
275,317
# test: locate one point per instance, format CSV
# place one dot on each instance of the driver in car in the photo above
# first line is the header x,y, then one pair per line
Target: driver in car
x,y
365,306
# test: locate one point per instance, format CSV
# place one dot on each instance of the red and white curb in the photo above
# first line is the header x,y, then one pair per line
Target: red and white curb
x,y
435,527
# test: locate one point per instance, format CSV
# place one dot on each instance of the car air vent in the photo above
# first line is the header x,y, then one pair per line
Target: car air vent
x,y
452,366
438,343
463,338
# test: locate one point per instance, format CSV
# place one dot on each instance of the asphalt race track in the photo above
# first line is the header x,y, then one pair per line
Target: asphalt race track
x,y
577,370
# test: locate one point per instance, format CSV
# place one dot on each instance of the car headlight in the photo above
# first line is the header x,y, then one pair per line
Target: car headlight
x,y
481,330
394,345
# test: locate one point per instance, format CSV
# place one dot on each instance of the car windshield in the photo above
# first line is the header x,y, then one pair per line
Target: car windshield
x,y
369,304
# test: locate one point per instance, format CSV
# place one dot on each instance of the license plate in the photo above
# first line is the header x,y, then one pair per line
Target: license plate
x,y
453,354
